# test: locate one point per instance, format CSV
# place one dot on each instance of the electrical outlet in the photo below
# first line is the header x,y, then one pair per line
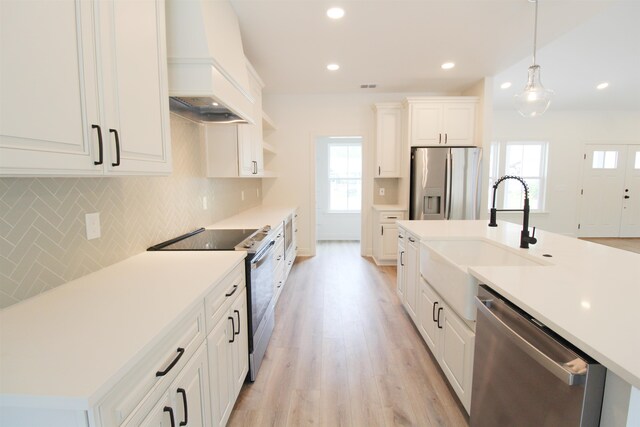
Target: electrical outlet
x,y
205,205
381,191
92,224
242,195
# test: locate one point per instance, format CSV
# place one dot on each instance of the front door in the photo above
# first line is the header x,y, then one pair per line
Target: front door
x,y
610,194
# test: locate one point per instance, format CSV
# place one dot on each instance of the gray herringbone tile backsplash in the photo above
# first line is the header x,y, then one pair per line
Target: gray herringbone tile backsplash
x,y
42,226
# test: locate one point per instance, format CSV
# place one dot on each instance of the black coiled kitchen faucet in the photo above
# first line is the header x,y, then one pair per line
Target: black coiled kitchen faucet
x,y
525,240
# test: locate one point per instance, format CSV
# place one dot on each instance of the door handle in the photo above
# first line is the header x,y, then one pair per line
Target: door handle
x,y
433,311
183,392
446,135
401,260
99,162
438,321
233,329
115,132
169,409
238,314
180,352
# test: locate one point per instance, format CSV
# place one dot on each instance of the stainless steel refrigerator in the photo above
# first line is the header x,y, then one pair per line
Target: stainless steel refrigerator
x,y
445,183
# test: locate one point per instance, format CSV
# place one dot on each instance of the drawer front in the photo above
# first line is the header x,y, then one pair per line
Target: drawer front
x,y
144,384
218,301
391,216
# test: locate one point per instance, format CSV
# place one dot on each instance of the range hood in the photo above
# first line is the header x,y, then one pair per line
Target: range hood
x,y
208,77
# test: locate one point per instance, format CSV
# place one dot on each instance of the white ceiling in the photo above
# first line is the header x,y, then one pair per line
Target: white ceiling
x,y
400,44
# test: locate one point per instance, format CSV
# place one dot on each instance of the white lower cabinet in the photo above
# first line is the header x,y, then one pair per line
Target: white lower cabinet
x,y
385,236
411,273
401,266
450,339
186,401
228,359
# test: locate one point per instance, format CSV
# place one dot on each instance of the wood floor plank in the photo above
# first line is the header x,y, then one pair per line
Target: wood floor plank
x,y
345,353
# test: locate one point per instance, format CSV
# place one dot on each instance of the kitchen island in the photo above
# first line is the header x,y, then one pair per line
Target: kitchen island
x,y
585,292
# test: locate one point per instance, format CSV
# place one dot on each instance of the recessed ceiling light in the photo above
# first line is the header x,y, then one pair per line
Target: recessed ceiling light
x,y
333,67
215,104
335,13
505,85
448,65
602,85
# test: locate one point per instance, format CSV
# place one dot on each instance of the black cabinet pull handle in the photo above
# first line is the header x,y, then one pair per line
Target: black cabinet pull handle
x,y
100,159
439,310
183,392
433,311
235,288
446,136
382,230
238,314
180,352
439,138
169,409
412,240
117,138
233,329
378,170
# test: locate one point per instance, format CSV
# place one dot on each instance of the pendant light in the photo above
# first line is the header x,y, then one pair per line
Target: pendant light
x,y
534,100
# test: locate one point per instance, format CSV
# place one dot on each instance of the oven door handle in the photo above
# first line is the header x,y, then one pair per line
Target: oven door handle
x,y
260,257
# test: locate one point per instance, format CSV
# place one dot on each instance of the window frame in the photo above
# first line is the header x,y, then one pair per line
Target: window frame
x,y
330,179
497,167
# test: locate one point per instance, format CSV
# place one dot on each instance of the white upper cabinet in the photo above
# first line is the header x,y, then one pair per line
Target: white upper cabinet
x,y
236,150
82,86
388,140
440,121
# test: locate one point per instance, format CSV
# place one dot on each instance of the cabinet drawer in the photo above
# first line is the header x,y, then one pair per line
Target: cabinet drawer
x,y
147,380
391,216
220,298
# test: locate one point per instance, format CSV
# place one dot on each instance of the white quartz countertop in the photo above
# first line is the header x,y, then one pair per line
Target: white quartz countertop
x,y
256,217
589,295
68,346
389,208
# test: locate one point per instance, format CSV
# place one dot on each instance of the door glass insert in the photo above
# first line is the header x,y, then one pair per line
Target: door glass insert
x,y
605,160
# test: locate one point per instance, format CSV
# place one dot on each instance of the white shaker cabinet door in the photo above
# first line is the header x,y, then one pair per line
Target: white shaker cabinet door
x,y
221,373
426,124
48,83
459,123
136,99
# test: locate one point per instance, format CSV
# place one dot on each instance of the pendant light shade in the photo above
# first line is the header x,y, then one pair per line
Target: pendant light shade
x,y
534,100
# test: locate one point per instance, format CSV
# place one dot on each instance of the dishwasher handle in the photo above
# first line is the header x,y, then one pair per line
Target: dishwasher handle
x,y
571,373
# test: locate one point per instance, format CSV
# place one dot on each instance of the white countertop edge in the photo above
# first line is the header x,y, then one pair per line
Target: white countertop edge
x,y
592,352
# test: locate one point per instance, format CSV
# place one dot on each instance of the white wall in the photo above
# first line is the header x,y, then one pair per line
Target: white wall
x,y
567,132
331,225
302,118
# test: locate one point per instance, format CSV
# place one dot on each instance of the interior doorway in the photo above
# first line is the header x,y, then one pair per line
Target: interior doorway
x,y
610,192
338,188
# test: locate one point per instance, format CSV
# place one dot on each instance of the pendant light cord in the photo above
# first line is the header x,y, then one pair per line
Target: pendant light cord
x,y
535,32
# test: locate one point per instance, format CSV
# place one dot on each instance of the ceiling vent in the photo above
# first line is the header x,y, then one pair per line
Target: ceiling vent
x,y
368,86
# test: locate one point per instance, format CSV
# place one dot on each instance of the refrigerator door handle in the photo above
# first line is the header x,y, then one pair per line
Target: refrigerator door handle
x,y
478,179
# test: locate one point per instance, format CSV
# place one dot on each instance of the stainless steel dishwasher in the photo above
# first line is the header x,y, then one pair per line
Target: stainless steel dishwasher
x,y
525,375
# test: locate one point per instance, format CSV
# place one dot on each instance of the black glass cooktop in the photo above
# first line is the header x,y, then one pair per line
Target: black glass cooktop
x,y
205,240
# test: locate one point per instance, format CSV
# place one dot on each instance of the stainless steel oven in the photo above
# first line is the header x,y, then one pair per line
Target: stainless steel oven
x,y
259,245
259,276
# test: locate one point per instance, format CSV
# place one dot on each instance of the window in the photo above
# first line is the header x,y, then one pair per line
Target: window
x,y
345,177
605,160
525,159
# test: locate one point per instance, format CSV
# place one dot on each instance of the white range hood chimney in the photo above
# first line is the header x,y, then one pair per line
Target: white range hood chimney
x,y
208,77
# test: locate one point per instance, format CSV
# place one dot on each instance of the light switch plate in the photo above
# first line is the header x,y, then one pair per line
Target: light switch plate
x,y
92,223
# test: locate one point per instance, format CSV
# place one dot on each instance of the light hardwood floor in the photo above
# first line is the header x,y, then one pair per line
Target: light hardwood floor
x,y
631,244
345,353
